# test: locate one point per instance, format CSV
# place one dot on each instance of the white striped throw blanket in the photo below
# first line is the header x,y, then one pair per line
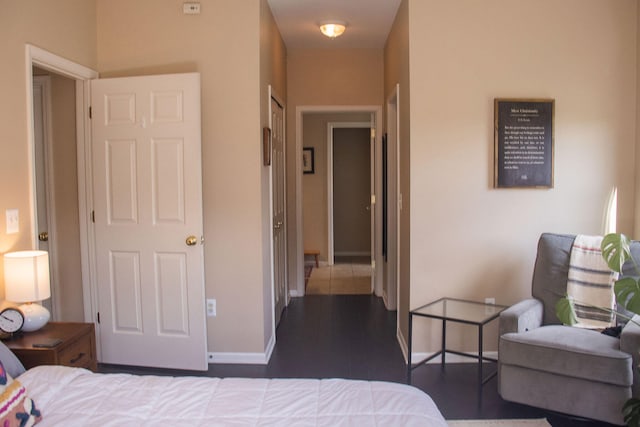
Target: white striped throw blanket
x,y
590,283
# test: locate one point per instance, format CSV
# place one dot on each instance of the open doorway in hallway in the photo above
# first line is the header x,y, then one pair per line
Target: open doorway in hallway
x,y
337,204
57,224
350,190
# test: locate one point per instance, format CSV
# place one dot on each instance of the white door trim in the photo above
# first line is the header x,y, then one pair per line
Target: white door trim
x,y
35,56
330,127
298,261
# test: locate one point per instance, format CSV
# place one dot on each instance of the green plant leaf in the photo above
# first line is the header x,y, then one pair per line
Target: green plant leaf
x,y
566,312
615,250
627,292
631,412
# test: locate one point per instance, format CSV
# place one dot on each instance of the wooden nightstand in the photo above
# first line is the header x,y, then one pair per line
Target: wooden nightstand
x,y
77,347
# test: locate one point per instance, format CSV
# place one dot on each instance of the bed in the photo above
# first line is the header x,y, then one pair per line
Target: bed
x,y
59,395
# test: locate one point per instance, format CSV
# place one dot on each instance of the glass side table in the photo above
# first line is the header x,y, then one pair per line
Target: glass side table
x,y
461,311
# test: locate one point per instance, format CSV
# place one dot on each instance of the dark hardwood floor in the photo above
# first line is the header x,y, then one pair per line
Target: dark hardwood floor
x,y
354,336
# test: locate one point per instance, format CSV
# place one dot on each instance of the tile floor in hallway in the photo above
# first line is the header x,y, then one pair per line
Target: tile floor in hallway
x,y
346,277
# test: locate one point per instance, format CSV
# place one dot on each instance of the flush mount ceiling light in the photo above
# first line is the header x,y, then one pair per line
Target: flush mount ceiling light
x,y
332,29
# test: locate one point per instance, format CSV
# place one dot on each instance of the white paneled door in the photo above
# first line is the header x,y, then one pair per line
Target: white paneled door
x,y
279,206
148,220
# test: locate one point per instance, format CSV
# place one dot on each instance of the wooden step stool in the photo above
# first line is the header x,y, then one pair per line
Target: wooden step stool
x,y
312,252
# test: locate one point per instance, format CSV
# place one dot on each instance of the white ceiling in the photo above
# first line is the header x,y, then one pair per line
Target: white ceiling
x,y
368,22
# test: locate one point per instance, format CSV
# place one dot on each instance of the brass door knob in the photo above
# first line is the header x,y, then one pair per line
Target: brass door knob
x,y
192,240
43,237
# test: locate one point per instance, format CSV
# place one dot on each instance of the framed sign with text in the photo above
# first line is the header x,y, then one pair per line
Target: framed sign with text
x,y
523,143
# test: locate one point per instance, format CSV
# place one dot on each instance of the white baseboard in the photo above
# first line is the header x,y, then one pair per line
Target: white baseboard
x,y
352,253
238,358
387,304
294,293
403,344
270,346
452,358
244,358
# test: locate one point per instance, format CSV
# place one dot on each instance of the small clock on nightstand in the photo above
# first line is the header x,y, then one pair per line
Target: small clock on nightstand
x,y
11,322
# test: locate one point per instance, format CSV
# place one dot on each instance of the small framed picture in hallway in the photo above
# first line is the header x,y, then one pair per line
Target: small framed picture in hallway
x,y
308,161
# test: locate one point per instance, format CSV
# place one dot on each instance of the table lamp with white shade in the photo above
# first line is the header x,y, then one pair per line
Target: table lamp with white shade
x,y
26,280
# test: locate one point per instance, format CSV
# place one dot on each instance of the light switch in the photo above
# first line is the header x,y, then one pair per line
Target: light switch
x,y
211,308
13,221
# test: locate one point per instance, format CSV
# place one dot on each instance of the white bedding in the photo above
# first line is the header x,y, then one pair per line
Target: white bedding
x,y
77,397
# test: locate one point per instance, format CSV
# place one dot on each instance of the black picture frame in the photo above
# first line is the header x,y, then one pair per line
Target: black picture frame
x,y
266,146
523,142
308,160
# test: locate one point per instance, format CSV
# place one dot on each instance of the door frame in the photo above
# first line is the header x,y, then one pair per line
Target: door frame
x,y
298,260
35,56
330,127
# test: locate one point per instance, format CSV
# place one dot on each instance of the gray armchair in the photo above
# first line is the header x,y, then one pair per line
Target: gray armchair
x,y
560,368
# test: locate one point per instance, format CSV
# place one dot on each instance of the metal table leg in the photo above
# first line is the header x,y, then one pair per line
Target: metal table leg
x,y
480,361
409,345
444,342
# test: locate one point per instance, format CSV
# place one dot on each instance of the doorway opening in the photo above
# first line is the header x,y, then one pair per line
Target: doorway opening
x,y
50,167
340,219
56,194
349,188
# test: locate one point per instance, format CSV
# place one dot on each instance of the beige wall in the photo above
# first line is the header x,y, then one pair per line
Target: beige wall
x,y
223,44
396,72
66,27
468,239
314,186
324,77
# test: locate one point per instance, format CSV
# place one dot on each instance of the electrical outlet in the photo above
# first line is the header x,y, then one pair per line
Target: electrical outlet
x,y
13,221
211,308
488,310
